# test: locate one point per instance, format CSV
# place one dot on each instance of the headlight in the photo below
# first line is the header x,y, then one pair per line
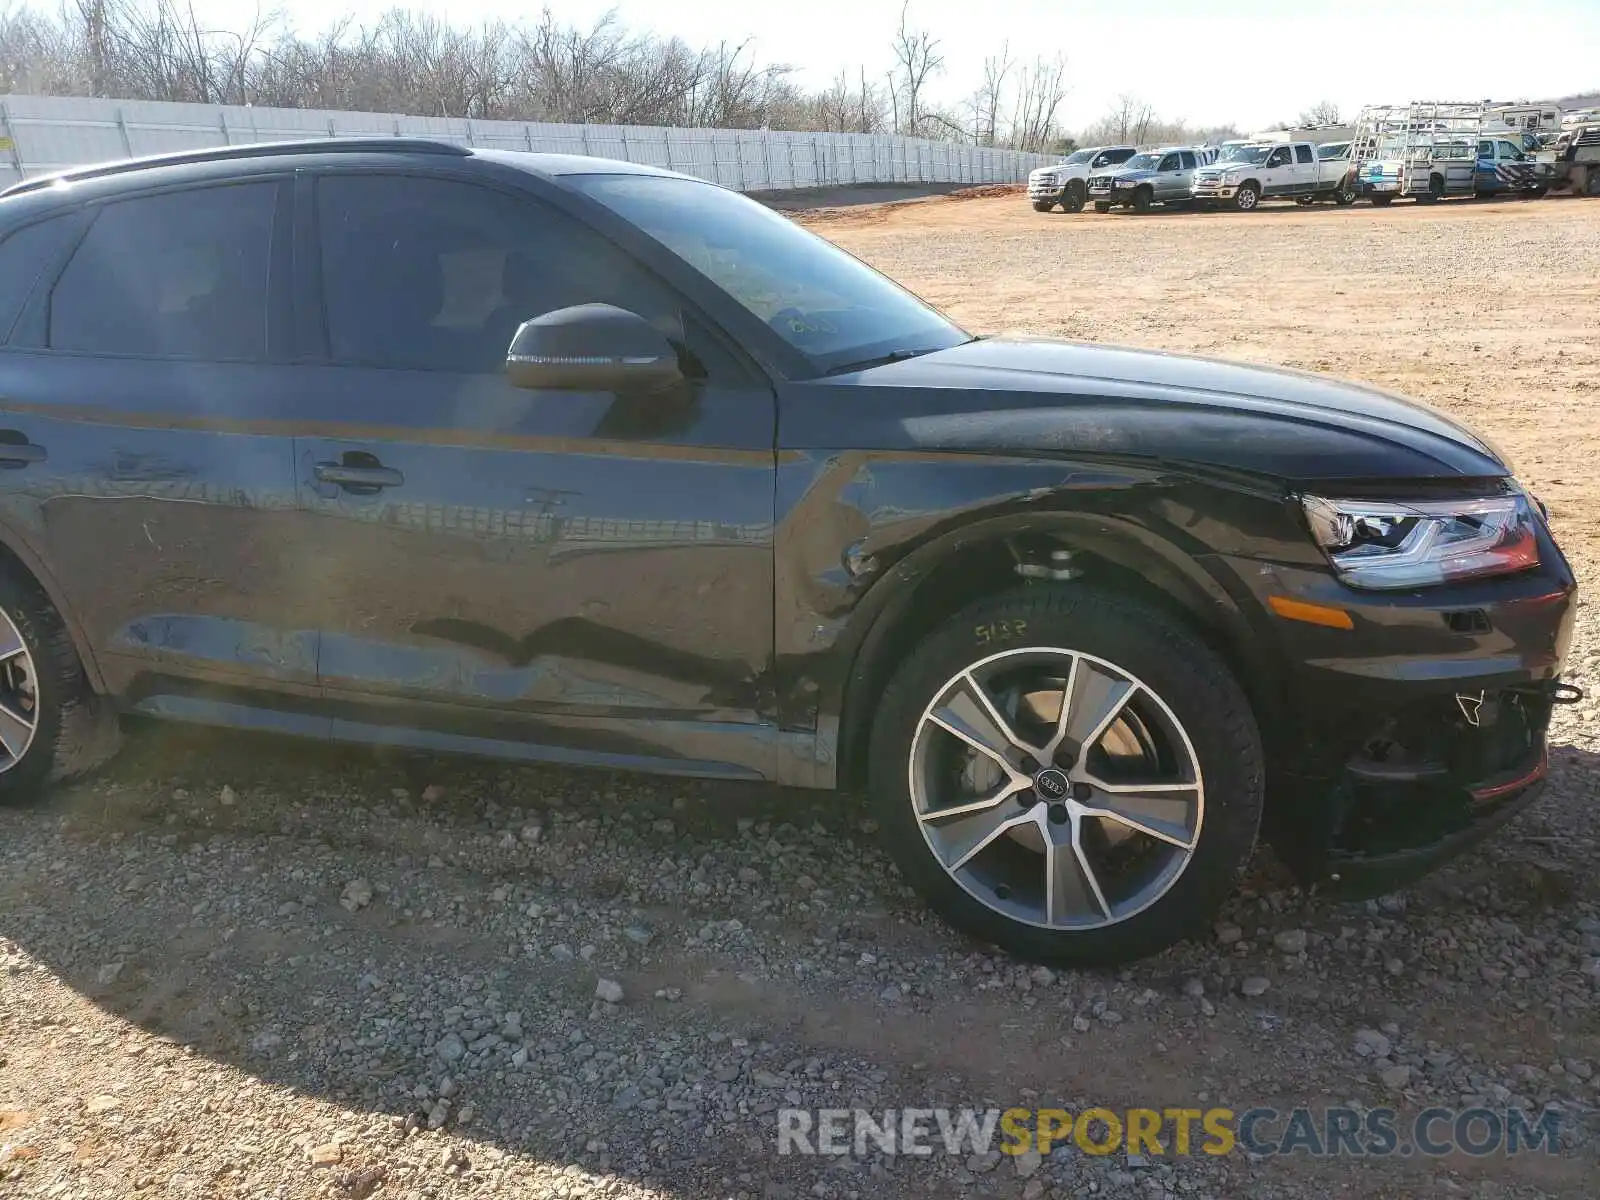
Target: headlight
x,y
1232,176
1406,544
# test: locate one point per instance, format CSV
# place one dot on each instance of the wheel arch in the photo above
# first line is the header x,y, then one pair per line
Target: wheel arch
x,y
16,551
942,576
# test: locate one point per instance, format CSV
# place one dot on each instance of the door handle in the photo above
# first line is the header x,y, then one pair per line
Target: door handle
x,y
359,479
19,452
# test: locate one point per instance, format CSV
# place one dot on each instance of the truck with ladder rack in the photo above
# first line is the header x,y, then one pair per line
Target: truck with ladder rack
x,y
1431,151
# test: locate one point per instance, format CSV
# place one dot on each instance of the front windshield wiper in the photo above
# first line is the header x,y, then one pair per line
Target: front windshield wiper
x,y
877,360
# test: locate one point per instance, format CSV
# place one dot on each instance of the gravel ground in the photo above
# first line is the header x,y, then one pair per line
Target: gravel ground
x,y
230,968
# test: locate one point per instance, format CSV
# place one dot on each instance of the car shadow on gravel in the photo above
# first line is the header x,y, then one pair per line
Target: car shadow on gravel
x,y
416,944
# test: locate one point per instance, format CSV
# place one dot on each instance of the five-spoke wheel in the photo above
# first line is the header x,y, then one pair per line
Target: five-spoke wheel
x,y
1056,788
1086,790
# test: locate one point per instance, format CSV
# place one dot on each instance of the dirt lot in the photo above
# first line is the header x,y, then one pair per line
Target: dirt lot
x,y
234,970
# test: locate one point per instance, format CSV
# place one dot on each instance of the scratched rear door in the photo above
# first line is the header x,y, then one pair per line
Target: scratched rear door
x,y
141,395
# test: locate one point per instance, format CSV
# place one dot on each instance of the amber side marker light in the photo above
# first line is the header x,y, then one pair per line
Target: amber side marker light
x,y
1311,614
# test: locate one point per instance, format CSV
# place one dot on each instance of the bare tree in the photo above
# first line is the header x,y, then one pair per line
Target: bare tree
x,y
1324,112
845,107
1040,90
1129,121
987,99
917,58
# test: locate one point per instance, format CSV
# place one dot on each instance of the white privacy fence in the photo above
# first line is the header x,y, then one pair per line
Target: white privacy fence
x,y
41,134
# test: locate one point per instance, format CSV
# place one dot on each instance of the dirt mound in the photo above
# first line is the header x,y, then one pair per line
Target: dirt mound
x,y
984,191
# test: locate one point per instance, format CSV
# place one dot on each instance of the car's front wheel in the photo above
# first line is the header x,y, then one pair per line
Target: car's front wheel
x,y
1043,205
1247,198
52,726
1076,194
1067,774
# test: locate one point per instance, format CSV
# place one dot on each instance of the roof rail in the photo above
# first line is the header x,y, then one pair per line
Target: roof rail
x,y
350,145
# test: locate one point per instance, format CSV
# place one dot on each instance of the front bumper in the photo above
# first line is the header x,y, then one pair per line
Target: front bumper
x,y
1043,191
1213,191
1397,744
1116,193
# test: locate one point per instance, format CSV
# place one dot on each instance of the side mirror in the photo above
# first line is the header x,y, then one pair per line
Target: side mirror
x,y
592,348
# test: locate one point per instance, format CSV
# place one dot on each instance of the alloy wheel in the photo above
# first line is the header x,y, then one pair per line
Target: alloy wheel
x,y
19,695
1056,788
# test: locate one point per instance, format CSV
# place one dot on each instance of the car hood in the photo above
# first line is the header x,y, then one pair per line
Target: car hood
x,y
1037,394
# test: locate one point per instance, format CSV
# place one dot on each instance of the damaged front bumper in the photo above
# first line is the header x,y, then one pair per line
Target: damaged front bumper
x,y
1413,735
1429,783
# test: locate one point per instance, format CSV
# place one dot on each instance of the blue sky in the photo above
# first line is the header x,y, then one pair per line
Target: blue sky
x,y
1248,61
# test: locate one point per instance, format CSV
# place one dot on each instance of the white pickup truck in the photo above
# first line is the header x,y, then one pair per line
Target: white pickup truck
x,y
1067,183
1248,173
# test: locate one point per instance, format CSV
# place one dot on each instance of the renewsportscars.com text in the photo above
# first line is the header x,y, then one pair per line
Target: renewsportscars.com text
x,y
1180,1132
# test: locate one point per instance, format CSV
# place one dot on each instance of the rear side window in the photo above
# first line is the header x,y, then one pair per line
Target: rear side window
x,y
180,275
23,255
1303,154
1188,160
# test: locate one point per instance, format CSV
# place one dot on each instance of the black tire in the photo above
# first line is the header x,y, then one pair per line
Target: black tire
x,y
1347,193
1043,205
1102,206
1381,201
1248,197
1143,199
74,731
1075,196
1188,676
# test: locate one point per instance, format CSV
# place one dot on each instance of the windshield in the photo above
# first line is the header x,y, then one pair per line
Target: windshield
x,y
1076,158
828,305
1142,162
1245,154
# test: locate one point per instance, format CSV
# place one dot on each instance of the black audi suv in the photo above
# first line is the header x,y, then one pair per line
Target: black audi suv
x,y
558,459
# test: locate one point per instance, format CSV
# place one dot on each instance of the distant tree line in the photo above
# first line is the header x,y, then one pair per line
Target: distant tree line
x,y
542,70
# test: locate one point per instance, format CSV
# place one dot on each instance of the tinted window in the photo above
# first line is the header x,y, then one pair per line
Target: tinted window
x,y
1485,149
435,275
23,255
1303,154
1169,163
182,275
1507,150
1120,156
1279,157
826,304
1188,160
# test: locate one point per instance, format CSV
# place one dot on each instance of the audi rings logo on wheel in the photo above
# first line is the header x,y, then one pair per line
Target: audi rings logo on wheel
x,y
1051,784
